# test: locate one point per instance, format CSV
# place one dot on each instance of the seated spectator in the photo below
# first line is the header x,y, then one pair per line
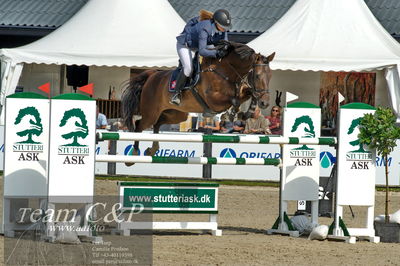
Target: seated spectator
x,y
257,124
226,124
212,123
101,119
275,120
239,124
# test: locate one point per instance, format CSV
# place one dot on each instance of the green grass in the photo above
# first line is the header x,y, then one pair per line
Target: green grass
x,y
383,188
219,181
197,180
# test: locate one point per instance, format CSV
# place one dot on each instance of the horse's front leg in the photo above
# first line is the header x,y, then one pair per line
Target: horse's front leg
x,y
151,151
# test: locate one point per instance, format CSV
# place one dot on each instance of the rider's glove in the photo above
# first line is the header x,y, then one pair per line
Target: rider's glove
x,y
221,53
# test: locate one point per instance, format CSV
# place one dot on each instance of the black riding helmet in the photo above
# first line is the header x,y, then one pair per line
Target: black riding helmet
x,y
223,18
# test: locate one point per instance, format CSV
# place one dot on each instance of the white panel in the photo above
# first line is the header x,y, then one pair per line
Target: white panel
x,y
301,162
72,148
26,147
356,165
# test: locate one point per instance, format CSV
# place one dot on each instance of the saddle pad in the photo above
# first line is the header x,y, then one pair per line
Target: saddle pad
x,y
189,83
172,81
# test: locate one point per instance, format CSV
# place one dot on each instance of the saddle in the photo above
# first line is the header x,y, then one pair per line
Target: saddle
x,y
194,79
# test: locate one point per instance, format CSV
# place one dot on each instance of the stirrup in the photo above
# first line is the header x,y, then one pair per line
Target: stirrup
x,y
176,99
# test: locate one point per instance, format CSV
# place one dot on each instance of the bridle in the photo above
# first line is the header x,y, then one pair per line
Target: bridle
x,y
242,80
256,92
248,80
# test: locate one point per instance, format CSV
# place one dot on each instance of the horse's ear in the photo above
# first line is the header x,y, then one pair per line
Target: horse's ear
x,y
271,57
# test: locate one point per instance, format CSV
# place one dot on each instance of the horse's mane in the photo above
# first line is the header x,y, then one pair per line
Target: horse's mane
x,y
244,51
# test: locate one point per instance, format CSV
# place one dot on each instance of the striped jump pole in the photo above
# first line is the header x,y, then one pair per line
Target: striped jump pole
x,y
245,139
187,160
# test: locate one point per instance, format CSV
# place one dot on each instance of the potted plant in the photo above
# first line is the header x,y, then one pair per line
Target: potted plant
x,y
378,131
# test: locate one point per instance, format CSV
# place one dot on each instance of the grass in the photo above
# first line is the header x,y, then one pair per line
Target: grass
x,y
219,181
196,180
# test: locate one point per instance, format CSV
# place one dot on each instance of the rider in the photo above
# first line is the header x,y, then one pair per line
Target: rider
x,y
200,34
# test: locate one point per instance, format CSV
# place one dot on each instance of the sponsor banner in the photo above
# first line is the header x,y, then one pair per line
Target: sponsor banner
x,y
356,171
249,172
301,162
27,149
167,198
327,157
72,146
166,149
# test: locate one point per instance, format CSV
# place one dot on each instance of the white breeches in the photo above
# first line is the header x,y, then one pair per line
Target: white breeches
x,y
185,55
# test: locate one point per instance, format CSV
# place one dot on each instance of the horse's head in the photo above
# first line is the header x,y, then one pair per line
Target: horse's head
x,y
259,78
251,69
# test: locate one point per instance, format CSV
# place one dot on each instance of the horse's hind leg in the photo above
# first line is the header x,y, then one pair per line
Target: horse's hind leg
x,y
155,146
167,117
135,149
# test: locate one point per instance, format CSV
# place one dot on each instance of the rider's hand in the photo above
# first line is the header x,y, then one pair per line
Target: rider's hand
x,y
221,53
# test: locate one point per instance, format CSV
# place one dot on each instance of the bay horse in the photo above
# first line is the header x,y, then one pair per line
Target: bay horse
x,y
242,74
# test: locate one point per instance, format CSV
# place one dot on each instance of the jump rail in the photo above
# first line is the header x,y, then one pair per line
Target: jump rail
x,y
187,160
246,139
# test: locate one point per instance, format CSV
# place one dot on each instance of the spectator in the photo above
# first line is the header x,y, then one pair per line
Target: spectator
x,y
239,124
257,124
101,119
212,122
275,120
226,124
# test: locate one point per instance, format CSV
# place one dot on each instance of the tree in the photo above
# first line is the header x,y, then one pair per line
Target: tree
x,y
36,127
378,131
81,129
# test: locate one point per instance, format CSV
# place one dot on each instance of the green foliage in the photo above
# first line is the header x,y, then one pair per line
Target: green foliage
x,y
378,131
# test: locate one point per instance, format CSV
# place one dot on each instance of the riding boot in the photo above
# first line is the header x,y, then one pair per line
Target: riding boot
x,y
180,82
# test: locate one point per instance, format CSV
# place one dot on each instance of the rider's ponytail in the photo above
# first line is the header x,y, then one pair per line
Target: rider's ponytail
x,y
205,15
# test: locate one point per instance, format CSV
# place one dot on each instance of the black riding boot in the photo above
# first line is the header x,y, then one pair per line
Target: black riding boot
x,y
180,82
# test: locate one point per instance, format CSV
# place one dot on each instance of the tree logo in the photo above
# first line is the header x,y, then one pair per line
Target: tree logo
x,y
305,124
75,121
352,128
29,117
360,158
308,129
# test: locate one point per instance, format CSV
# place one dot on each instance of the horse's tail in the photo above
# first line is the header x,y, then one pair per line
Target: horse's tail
x,y
130,100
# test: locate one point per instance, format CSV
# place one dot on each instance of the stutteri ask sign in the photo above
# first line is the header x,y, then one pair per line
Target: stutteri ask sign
x,y
170,197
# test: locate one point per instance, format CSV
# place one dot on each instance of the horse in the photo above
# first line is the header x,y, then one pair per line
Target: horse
x,y
240,75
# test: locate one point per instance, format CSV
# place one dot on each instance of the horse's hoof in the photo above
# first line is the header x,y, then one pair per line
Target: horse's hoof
x,y
129,164
148,152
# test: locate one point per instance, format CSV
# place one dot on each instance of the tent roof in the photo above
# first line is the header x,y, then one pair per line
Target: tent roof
x,y
109,33
329,35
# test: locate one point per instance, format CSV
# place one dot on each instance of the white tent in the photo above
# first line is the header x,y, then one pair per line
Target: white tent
x,y
103,33
333,35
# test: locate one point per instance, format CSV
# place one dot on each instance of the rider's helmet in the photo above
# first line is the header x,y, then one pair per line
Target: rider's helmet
x,y
223,18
